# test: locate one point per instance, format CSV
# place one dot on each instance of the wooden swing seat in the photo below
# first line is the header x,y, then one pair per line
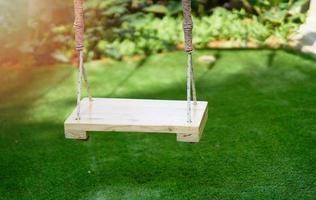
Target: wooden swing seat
x,y
184,118
131,115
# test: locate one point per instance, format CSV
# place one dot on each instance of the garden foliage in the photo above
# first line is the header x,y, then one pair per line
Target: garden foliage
x,y
118,28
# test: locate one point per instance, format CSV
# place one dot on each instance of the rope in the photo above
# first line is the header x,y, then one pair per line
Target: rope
x,y
79,83
187,25
187,29
79,24
79,37
189,120
193,82
86,83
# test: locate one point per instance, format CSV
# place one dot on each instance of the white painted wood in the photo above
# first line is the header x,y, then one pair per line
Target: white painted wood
x,y
131,115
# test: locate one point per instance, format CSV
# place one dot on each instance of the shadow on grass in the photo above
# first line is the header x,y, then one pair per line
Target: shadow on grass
x,y
258,136
22,87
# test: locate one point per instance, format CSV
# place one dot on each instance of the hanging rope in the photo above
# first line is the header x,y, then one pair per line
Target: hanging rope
x,y
187,29
187,25
79,83
189,88
79,24
193,81
79,37
86,82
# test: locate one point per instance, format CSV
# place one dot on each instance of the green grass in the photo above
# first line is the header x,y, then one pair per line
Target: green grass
x,y
259,142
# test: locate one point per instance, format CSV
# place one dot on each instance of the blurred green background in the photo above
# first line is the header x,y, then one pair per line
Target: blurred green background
x,y
40,32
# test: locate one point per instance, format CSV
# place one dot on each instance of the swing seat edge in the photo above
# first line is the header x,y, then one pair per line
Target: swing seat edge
x,y
137,115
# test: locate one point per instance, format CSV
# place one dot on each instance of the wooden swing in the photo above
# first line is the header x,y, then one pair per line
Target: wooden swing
x,y
184,118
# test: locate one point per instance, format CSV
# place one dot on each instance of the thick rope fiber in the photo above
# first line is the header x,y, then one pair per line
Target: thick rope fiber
x,y
79,24
187,25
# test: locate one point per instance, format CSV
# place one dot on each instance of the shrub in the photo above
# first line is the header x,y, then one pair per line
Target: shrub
x,y
118,28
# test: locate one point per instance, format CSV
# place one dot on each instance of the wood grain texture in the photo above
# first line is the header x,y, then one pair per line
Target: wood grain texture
x,y
75,134
131,115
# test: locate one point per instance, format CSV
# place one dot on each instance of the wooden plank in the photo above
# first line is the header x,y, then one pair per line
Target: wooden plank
x,y
132,115
188,137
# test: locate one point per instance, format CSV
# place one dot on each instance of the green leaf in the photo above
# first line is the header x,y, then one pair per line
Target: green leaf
x,y
157,9
275,15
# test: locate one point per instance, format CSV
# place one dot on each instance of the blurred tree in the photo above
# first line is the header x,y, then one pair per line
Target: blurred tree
x,y
28,25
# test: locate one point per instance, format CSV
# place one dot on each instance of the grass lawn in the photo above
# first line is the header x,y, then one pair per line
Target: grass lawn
x,y
259,142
